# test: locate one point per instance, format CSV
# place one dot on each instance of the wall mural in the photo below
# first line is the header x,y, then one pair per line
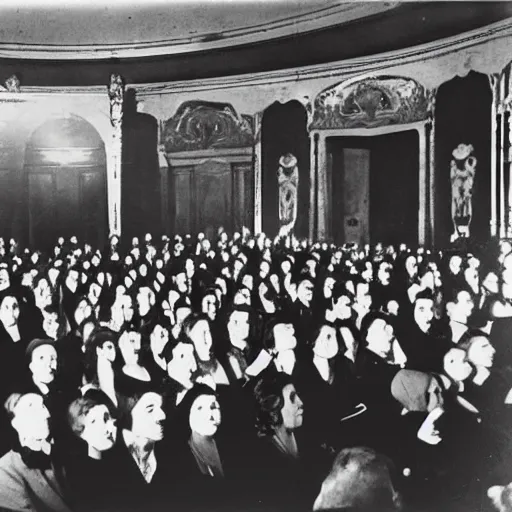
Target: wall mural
x,y
288,182
462,176
370,103
200,125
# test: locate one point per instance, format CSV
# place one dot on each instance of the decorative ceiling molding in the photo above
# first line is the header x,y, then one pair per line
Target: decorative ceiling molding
x,y
358,66
317,18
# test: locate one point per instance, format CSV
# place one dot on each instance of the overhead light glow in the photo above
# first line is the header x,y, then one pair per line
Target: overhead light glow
x,y
67,156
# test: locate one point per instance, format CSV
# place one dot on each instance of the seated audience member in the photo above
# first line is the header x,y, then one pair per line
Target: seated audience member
x,y
459,306
361,480
197,329
132,376
142,461
280,469
208,475
31,474
89,475
99,359
181,373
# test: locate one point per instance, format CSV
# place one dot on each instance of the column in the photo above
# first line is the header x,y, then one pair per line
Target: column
x,y
322,196
114,154
314,138
430,128
422,213
494,83
258,117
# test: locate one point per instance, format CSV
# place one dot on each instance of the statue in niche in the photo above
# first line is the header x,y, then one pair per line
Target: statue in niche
x,y
288,181
462,176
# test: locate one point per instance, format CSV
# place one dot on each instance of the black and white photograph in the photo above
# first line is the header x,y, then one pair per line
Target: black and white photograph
x,y
255,256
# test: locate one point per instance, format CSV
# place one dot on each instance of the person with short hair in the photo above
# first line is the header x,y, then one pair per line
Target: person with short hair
x,y
31,474
89,471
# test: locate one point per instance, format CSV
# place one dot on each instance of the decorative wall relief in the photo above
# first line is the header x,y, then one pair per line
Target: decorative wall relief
x,y
12,84
288,182
116,96
370,103
462,176
200,125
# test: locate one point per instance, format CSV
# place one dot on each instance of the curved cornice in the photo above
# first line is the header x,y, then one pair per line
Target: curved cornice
x,y
315,19
363,65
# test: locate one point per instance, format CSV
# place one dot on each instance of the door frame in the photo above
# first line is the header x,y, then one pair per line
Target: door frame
x,y
320,189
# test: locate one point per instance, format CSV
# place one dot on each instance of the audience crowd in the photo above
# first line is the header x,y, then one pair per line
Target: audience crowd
x,y
246,373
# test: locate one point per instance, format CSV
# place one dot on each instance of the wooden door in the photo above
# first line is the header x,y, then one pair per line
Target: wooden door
x,y
65,202
213,188
356,195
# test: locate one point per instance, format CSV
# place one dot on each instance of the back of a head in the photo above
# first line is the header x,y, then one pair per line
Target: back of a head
x,y
360,481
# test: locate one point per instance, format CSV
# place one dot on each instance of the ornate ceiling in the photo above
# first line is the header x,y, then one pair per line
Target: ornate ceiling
x,y
166,40
103,29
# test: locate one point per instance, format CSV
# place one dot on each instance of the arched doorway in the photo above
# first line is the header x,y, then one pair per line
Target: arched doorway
x,y
65,172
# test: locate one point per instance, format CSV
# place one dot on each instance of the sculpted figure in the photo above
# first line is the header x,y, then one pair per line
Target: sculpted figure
x,y
462,176
288,180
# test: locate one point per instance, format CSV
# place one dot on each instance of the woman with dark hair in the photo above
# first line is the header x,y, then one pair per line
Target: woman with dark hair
x,y
321,387
281,469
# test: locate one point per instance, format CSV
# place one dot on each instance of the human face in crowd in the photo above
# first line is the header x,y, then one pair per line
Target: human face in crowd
x,y
145,299
461,310
456,366
248,281
31,418
130,346
82,312
284,337
5,280
181,314
202,339
189,268
94,293
143,270
158,339
393,307
148,417
205,416
326,344
424,313
286,266
183,365
51,325
383,274
380,337
264,269
293,408
9,311
242,297
43,364
481,352
107,351
328,287
411,266
181,282
238,327
367,273
305,291
343,307
455,265
491,283
363,297
209,306
99,428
